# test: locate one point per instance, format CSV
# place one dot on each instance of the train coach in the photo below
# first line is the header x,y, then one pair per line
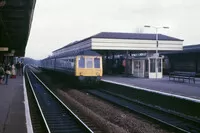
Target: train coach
x,y
85,65
187,60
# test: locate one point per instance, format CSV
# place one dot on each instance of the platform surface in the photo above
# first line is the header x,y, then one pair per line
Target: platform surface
x,y
12,110
185,89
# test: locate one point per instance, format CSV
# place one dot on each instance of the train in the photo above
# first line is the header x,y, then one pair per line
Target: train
x,y
187,60
86,66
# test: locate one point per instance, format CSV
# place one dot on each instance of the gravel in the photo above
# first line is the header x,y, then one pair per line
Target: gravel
x,y
124,119
107,117
102,124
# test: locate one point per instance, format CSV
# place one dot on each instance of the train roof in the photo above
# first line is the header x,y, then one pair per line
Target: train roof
x,y
120,35
192,47
85,53
89,53
186,49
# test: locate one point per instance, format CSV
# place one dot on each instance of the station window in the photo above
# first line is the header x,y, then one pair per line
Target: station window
x,y
137,65
159,65
81,62
146,65
89,62
96,62
152,65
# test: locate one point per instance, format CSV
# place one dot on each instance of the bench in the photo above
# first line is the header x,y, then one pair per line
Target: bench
x,y
182,75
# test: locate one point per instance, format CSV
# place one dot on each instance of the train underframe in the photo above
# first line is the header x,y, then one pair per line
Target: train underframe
x,y
89,79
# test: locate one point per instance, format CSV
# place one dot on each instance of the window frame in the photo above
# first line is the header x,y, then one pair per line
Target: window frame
x,y
86,62
81,57
94,64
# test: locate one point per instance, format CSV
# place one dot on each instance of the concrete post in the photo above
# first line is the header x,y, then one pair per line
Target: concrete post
x,y
107,62
126,69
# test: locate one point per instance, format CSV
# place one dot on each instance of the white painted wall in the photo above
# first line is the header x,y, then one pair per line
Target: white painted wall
x,y
129,44
121,44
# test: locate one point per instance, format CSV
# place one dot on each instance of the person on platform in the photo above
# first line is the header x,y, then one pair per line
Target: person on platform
x,y
7,72
21,68
13,72
18,68
2,72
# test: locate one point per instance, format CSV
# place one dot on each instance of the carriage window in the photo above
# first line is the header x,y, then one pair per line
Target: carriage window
x,y
96,62
89,62
81,62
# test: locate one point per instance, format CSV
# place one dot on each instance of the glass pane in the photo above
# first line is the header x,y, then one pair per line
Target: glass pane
x,y
96,62
198,65
152,65
137,65
159,65
89,62
146,66
81,62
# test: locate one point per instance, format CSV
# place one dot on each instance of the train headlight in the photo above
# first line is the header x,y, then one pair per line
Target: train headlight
x,y
97,74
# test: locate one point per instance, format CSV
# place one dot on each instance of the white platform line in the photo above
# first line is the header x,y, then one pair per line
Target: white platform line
x,y
27,111
154,91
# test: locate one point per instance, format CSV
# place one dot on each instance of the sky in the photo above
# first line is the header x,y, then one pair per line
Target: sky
x,y
57,23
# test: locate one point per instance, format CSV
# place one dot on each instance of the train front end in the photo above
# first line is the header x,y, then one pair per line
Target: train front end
x,y
89,69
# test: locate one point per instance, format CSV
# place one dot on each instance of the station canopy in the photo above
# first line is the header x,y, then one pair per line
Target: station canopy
x,y
116,42
15,23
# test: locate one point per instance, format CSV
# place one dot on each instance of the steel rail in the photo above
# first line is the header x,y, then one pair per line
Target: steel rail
x,y
63,105
38,103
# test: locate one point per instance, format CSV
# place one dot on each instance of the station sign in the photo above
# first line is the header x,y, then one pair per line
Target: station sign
x,y
3,48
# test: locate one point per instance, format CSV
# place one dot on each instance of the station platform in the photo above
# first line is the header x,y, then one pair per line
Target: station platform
x,y
164,85
12,109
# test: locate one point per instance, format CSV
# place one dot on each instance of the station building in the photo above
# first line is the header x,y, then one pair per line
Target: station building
x,y
130,53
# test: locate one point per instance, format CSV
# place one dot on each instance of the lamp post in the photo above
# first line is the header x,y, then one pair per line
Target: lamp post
x,y
155,27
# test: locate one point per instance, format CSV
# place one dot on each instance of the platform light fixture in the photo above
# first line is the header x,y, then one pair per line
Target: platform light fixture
x,y
147,26
157,55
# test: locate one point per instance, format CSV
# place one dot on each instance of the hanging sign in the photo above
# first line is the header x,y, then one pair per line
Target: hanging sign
x,y
3,48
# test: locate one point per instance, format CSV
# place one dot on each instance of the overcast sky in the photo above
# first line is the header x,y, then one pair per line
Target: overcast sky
x,y
59,22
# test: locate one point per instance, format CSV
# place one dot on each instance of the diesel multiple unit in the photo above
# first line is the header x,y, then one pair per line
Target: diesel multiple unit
x,y
85,65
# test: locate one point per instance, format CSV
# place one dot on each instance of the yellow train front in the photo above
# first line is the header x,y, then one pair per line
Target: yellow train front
x,y
86,66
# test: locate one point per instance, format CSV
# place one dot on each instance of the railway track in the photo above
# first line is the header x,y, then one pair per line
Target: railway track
x,y
178,123
57,117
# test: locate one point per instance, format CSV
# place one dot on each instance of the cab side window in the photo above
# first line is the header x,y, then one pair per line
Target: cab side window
x,y
96,62
81,62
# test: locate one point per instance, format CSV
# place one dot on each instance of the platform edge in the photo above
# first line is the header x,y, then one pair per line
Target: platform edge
x,y
27,111
154,91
